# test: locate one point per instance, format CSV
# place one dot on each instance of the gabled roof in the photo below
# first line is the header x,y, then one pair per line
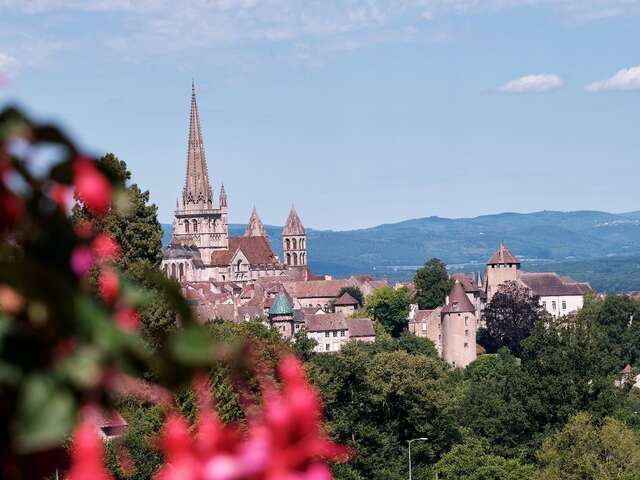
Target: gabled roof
x,y
545,284
294,224
468,284
256,249
255,227
458,301
346,300
316,288
503,256
360,327
325,322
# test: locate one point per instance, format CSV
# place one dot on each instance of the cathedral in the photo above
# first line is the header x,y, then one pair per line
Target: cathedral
x,y
201,250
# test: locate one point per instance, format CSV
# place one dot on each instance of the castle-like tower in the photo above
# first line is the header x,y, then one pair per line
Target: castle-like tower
x,y
502,267
255,227
294,241
459,325
197,221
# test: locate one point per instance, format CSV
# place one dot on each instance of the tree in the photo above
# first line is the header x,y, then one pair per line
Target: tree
x,y
510,316
303,344
355,292
391,308
472,460
586,449
133,223
432,284
377,400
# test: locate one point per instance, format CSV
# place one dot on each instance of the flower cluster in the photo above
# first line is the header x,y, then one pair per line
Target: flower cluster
x,y
286,442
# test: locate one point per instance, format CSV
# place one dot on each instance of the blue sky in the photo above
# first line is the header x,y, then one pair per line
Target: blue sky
x,y
360,113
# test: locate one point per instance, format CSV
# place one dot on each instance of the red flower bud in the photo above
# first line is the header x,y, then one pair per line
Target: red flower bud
x,y
87,454
92,188
105,247
109,286
128,319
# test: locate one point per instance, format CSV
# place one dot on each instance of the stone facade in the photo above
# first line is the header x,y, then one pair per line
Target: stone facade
x,y
201,250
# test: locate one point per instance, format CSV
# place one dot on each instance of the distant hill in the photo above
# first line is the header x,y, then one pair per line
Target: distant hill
x,y
544,238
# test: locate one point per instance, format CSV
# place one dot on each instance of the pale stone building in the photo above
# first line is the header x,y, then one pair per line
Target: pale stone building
x,y
558,295
201,250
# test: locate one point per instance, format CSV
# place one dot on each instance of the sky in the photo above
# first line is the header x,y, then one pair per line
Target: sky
x,y
358,112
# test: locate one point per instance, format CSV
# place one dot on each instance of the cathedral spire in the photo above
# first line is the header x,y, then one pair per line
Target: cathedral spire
x,y
255,228
223,196
197,190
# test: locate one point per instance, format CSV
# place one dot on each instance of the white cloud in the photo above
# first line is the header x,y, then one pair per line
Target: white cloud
x,y
8,64
539,83
624,80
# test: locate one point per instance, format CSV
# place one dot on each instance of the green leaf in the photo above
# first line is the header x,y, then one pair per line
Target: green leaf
x,y
46,414
82,367
62,173
193,346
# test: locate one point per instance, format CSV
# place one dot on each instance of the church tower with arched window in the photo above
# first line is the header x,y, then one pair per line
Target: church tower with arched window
x,y
294,241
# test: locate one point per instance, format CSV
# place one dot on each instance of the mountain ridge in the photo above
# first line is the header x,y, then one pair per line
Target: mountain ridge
x,y
395,250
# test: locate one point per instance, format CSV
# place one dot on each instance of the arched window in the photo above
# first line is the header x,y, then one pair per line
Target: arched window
x,y
181,268
287,244
303,258
173,270
186,226
195,225
288,258
294,258
239,265
294,242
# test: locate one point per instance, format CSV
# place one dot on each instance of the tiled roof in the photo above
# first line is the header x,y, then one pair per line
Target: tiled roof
x,y
316,288
544,284
503,256
458,301
346,300
422,315
256,249
325,322
294,224
106,418
360,327
466,282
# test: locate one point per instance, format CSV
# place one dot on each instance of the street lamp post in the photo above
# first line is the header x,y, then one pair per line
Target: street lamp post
x,y
409,442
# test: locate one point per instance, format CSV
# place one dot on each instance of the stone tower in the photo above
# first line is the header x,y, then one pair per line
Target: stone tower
x,y
459,324
197,221
255,227
294,241
502,267
281,316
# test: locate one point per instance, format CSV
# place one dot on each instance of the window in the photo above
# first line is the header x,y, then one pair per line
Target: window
x,y
298,327
466,333
466,346
327,346
554,305
326,334
564,304
195,226
186,226
466,321
424,327
335,334
544,305
342,333
439,338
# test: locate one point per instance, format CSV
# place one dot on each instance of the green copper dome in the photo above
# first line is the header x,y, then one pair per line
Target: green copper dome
x,y
281,306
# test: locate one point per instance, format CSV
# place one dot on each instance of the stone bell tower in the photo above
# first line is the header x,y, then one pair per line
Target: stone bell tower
x,y
294,241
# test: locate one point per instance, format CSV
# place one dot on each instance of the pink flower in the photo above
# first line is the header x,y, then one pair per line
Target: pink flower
x,y
109,286
105,247
81,260
87,454
92,188
128,319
